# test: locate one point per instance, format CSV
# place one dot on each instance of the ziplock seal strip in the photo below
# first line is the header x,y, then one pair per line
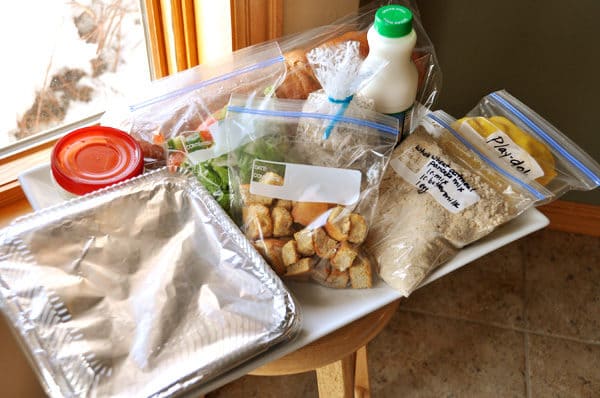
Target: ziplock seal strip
x,y
56,310
185,90
499,169
547,138
297,115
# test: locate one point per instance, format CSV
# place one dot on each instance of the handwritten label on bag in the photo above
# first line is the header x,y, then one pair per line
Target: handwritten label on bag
x,y
305,183
440,180
507,150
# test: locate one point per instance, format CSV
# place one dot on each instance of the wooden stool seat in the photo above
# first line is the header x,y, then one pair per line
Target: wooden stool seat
x,y
339,358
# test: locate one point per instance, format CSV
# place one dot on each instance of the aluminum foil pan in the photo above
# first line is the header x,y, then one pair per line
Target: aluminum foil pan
x,y
145,288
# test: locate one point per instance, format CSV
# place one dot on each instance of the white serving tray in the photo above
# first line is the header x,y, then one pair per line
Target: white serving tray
x,y
323,310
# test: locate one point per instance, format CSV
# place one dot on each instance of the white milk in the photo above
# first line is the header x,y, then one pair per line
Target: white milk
x,y
392,38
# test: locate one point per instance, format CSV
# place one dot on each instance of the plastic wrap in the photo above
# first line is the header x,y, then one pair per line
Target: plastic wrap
x,y
440,193
341,72
307,208
529,144
142,289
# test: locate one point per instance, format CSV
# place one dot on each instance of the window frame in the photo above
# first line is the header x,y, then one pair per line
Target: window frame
x,y
252,21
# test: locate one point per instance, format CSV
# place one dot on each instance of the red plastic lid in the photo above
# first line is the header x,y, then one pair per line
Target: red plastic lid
x,y
94,157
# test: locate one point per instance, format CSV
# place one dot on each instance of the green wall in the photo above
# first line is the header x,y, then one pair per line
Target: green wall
x,y
546,53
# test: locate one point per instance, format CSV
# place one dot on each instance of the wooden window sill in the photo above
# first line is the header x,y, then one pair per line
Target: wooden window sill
x,y
11,167
11,211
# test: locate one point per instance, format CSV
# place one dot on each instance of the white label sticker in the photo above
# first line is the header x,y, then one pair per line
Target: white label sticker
x,y
441,181
304,183
507,150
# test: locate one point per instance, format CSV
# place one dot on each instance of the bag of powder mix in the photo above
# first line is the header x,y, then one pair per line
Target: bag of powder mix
x,y
307,211
440,193
529,144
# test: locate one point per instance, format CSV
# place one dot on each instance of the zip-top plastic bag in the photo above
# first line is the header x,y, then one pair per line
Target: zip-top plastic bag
x,y
440,193
529,144
177,119
342,72
300,79
182,109
307,208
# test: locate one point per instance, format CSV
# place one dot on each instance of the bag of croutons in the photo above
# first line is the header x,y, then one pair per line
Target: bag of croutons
x,y
307,208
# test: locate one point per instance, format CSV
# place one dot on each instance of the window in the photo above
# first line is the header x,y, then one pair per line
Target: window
x,y
186,33
73,57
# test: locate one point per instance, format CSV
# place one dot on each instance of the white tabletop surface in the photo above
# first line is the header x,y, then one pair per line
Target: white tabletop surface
x,y
323,310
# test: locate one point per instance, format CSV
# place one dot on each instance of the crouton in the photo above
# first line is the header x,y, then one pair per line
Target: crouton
x,y
338,224
270,249
344,256
337,279
305,242
324,246
250,199
305,212
289,253
300,269
257,222
358,229
282,222
286,204
271,178
321,271
361,273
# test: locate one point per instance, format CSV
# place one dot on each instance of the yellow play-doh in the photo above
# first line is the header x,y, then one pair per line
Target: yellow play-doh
x,y
538,150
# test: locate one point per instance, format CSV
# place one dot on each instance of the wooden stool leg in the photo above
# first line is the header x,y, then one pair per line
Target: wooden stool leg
x,y
336,380
362,386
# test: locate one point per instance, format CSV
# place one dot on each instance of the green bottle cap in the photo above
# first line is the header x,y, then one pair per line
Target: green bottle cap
x,y
393,21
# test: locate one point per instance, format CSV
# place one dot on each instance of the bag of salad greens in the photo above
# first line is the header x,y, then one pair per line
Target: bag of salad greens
x,y
529,144
307,208
176,120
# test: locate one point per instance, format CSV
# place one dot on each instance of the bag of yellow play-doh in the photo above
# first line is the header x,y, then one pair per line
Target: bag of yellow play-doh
x,y
529,144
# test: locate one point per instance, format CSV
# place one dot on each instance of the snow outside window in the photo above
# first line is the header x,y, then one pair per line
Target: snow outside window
x,y
64,61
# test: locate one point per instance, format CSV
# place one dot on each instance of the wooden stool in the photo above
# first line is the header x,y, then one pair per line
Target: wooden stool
x,y
340,358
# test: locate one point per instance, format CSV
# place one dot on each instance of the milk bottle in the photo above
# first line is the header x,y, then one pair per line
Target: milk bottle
x,y
392,38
